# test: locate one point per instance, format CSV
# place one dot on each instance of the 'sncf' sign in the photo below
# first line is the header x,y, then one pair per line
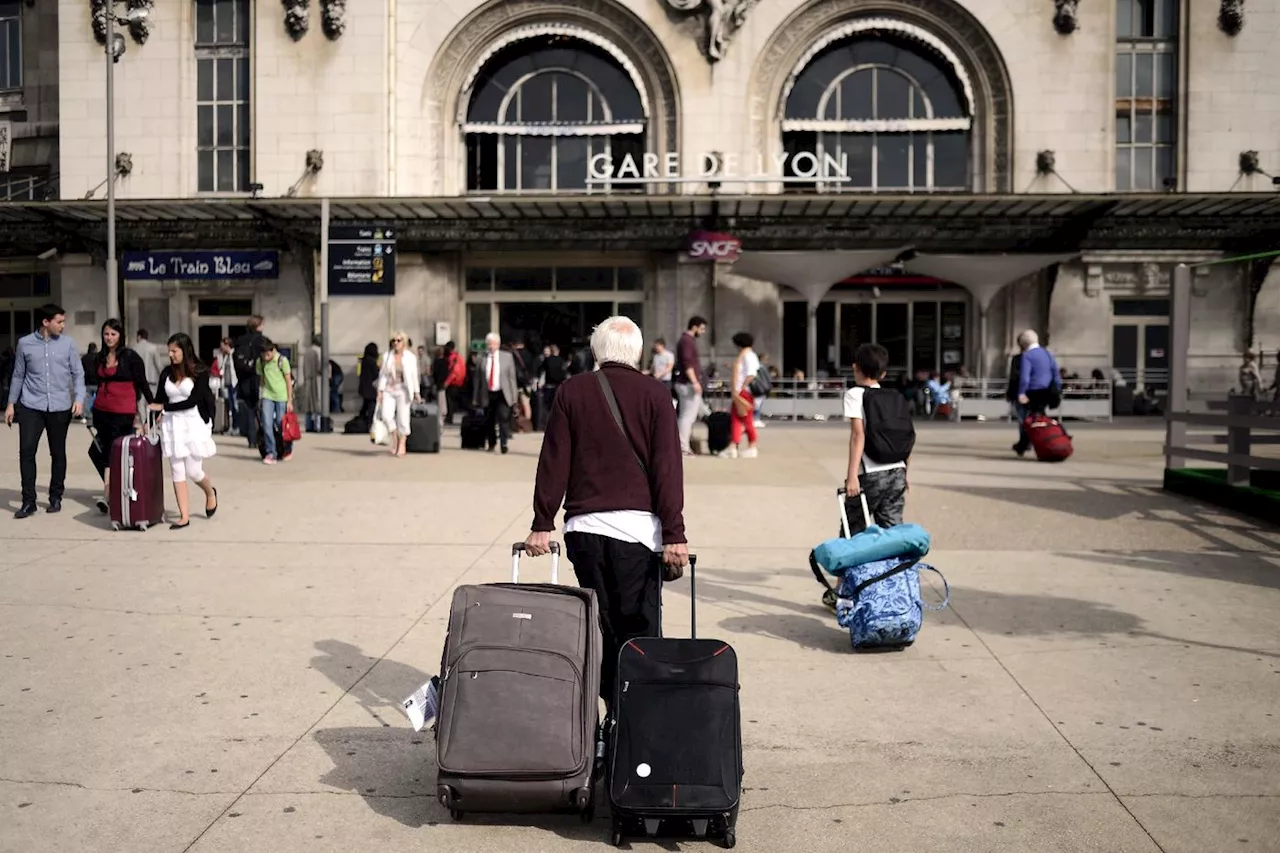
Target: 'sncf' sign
x,y
710,246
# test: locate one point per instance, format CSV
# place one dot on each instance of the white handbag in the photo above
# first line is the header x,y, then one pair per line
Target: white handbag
x,y
378,432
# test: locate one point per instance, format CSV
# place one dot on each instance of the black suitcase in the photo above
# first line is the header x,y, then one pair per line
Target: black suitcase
x,y
357,426
474,431
718,431
424,430
683,778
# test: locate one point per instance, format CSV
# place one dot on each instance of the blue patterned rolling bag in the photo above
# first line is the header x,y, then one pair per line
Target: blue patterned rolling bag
x,y
880,604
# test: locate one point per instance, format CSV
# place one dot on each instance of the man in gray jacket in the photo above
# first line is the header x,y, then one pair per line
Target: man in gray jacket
x,y
47,392
496,390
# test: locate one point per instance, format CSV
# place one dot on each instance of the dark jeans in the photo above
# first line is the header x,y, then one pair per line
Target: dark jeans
x,y
627,579
31,425
497,420
454,402
886,493
1038,402
335,394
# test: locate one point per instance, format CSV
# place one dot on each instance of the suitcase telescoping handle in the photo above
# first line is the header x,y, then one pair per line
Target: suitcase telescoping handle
x,y
841,494
693,597
518,548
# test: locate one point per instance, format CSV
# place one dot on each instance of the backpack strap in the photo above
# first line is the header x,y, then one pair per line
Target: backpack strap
x,y
946,588
896,570
819,573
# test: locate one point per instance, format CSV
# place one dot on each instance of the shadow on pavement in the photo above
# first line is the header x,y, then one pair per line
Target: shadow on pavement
x,y
1243,567
381,690
394,771
999,613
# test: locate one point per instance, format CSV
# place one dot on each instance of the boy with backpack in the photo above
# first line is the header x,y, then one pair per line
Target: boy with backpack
x,y
881,438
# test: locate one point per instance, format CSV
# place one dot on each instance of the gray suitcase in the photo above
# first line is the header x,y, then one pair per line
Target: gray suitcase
x,y
519,695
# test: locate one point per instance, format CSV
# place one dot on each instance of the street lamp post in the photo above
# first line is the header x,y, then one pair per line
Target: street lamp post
x,y
114,49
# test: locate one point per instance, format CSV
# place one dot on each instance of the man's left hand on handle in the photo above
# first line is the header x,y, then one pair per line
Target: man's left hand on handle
x,y
538,543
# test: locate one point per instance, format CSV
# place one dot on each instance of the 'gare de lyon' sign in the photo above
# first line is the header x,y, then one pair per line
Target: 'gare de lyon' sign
x,y
715,166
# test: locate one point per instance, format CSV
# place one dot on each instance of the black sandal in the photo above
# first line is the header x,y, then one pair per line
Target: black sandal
x,y
102,506
175,526
208,513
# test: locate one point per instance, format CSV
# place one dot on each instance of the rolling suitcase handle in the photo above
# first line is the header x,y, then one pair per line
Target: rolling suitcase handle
x,y
693,597
841,494
518,548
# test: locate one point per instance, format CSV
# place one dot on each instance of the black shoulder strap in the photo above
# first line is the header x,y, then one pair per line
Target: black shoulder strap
x,y
898,569
617,419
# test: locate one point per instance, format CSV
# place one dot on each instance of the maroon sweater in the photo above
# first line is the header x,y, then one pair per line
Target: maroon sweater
x,y
585,461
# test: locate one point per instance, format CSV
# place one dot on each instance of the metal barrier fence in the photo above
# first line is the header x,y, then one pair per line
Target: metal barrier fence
x,y
823,399
1243,418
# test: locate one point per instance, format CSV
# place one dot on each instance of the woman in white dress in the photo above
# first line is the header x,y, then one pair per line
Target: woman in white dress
x,y
398,387
186,425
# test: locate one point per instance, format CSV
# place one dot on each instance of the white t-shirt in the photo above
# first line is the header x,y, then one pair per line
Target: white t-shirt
x,y
625,525
749,367
853,411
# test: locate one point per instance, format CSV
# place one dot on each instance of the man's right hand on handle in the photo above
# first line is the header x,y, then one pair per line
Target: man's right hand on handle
x,y
674,558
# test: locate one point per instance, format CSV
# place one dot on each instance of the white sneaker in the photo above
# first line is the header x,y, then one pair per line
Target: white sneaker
x,y
750,453
760,424
728,453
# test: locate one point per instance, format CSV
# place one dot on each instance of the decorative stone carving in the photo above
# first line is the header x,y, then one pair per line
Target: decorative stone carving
x,y
1093,279
296,18
98,13
333,18
1231,17
138,28
954,25
1150,278
724,18
1065,16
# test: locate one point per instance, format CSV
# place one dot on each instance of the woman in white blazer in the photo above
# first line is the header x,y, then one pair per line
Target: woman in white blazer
x,y
398,388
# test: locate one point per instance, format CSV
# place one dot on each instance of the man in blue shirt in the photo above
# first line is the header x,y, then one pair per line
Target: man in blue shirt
x,y
47,392
1039,384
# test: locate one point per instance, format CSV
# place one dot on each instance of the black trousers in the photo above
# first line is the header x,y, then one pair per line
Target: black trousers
x,y
31,425
627,579
497,419
110,426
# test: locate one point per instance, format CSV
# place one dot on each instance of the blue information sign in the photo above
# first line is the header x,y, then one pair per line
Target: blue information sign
x,y
182,265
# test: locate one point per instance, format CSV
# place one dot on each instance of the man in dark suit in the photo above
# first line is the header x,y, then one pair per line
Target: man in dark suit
x,y
495,389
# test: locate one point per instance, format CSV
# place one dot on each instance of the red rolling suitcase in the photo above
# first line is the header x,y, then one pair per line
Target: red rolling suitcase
x,y
136,501
1049,438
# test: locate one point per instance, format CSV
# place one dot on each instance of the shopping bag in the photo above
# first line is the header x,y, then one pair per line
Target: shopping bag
x,y
290,429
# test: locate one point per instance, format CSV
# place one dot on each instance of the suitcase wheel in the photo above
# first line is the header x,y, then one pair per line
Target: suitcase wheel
x,y
582,799
143,525
457,814
115,525
730,839
616,839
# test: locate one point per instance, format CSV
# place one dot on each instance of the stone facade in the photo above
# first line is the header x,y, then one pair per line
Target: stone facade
x,y
382,101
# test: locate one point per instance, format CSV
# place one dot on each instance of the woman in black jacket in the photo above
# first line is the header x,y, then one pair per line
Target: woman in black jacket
x,y
369,382
121,378
186,428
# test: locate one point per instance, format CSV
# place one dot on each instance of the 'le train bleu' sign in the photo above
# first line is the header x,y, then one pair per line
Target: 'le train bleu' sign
x,y
201,265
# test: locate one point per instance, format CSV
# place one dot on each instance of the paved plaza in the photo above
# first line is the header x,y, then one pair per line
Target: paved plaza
x,y
1106,679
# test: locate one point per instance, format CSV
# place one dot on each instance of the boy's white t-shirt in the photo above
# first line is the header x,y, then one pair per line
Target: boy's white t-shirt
x,y
853,411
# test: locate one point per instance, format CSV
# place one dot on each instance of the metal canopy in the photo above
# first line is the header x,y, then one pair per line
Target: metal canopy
x,y
813,274
933,223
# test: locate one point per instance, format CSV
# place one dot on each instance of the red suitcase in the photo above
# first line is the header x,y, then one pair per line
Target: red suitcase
x,y
1048,438
137,482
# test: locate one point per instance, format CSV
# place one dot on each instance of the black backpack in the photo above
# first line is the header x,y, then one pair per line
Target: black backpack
x,y
890,432
761,384
244,357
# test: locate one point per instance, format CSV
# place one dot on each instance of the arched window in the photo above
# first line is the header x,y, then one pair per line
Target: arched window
x,y
542,108
889,112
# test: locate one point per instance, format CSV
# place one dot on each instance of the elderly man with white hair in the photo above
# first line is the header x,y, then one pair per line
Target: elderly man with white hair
x,y
611,454
496,389
1039,385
